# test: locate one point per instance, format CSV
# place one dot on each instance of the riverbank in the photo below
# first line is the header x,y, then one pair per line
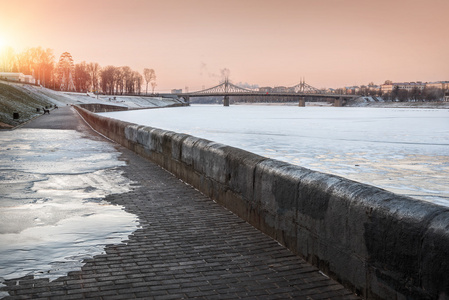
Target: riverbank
x,y
283,103
25,99
355,103
391,104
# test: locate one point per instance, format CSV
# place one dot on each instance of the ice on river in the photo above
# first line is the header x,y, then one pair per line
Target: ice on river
x,y
52,212
403,150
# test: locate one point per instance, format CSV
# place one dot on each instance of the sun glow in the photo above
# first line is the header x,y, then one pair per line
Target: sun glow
x,y
2,42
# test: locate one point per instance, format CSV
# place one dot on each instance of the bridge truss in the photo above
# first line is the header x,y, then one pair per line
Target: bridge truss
x,y
228,88
305,88
225,87
302,90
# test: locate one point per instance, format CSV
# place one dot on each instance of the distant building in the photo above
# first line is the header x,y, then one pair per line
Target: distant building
x,y
330,91
18,77
176,91
374,87
444,85
266,89
351,90
386,88
30,79
409,86
280,89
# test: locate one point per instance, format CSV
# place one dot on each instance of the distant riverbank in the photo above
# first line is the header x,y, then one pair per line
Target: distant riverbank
x,y
436,105
389,104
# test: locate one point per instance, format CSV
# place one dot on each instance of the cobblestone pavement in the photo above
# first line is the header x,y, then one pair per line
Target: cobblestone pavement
x,y
187,247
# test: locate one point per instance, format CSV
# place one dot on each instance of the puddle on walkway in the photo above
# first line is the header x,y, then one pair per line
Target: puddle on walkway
x,y
52,212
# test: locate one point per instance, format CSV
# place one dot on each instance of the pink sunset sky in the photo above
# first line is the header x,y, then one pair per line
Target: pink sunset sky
x,y
330,43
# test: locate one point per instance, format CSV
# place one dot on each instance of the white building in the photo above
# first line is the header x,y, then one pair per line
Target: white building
x,y
409,86
30,79
19,77
439,85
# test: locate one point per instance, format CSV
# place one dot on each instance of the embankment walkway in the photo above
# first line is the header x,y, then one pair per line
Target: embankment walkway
x,y
187,247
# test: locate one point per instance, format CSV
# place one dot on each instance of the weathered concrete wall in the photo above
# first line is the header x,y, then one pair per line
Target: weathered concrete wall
x,y
100,107
382,245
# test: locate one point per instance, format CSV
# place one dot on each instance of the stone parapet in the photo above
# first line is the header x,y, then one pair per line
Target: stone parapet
x,y
380,244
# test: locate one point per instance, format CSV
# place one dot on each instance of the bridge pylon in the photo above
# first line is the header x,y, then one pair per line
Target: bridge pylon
x,y
338,102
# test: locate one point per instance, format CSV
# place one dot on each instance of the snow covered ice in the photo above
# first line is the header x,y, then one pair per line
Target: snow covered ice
x,y
403,150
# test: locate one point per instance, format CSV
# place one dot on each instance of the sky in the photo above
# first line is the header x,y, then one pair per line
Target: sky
x,y
329,43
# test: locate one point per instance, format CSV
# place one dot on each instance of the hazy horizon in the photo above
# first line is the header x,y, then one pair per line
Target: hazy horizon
x,y
330,43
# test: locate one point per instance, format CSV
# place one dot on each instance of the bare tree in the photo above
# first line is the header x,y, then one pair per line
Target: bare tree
x,y
394,93
25,62
94,73
82,77
153,85
415,94
138,82
40,61
403,95
8,59
46,66
108,79
150,77
119,80
127,79
432,94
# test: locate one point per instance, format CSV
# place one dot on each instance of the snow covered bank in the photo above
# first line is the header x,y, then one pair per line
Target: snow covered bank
x,y
25,99
380,103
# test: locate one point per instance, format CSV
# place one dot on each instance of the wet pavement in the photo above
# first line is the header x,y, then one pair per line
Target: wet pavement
x,y
53,185
186,245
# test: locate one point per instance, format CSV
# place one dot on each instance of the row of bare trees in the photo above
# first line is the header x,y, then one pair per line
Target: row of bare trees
x,y
35,61
415,94
123,80
86,77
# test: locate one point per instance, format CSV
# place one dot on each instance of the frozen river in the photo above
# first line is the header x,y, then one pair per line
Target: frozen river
x,y
404,150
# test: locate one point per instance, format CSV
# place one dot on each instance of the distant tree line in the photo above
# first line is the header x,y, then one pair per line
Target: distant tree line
x,y
87,77
416,94
36,61
402,95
